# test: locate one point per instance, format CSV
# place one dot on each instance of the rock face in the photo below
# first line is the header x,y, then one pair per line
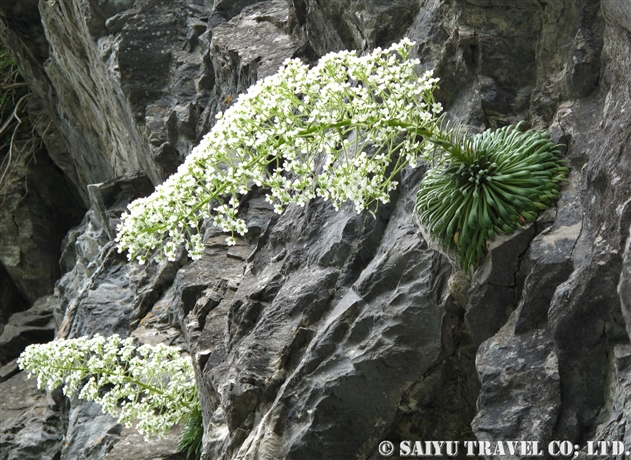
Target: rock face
x,y
323,333
39,205
32,425
35,325
10,298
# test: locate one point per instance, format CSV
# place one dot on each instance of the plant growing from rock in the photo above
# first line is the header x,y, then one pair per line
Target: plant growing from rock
x,y
343,130
492,183
191,439
152,386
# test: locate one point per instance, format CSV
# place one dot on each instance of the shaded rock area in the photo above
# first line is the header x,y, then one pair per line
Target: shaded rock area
x,y
11,300
38,206
320,333
35,325
526,367
133,445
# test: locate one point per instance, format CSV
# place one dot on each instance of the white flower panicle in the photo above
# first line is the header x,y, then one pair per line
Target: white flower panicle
x,y
151,385
341,130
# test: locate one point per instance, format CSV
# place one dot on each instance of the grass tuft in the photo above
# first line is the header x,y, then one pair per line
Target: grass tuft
x,y
192,436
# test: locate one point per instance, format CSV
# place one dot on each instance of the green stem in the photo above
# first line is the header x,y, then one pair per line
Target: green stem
x,y
128,379
435,136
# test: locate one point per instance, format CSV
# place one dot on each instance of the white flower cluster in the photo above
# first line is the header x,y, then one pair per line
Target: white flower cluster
x,y
341,130
153,385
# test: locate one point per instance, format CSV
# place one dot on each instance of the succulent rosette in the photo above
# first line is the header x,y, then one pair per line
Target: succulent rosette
x,y
492,183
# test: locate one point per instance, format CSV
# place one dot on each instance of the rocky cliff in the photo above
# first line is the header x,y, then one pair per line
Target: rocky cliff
x,y
322,333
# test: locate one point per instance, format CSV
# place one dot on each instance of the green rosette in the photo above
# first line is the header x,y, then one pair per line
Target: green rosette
x,y
492,183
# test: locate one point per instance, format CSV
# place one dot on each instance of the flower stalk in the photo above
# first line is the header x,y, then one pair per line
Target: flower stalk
x,y
341,130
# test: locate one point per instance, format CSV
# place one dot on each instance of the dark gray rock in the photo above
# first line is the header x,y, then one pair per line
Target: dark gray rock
x,y
624,287
109,199
441,403
115,297
617,12
99,293
494,288
133,446
615,414
572,268
227,9
126,94
9,370
31,425
250,46
287,358
570,26
80,249
549,261
336,25
39,206
521,388
90,433
11,301
39,203
322,333
67,72
35,325
488,309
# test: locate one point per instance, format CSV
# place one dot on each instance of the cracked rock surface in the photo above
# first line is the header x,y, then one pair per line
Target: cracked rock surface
x,y
321,333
